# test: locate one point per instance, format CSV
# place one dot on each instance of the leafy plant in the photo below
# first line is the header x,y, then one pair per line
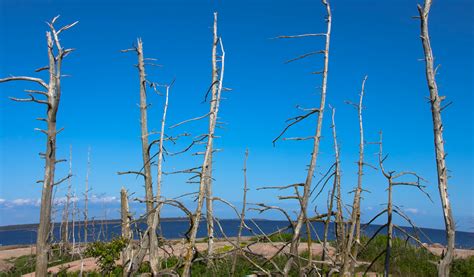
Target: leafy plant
x,y
106,253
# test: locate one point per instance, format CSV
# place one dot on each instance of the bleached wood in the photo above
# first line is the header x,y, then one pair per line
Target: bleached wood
x,y
442,170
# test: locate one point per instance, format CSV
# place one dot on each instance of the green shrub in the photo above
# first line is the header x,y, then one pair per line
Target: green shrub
x,y
106,253
463,267
405,259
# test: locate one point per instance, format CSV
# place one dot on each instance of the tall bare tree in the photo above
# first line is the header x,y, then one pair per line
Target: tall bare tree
x,y
353,239
146,174
335,194
205,182
208,180
436,109
154,257
52,93
303,199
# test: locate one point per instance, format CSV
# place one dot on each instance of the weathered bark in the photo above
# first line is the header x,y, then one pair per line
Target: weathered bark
x,y
436,108
242,215
316,140
145,153
353,236
149,242
53,95
335,193
209,206
126,232
154,257
206,174
340,228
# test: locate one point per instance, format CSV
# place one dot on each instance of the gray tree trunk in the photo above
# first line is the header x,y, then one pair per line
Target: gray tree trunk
x,y
145,154
53,95
206,174
436,108
126,232
302,217
353,236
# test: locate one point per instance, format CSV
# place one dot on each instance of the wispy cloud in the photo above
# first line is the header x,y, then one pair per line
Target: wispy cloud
x,y
412,210
19,202
36,202
104,199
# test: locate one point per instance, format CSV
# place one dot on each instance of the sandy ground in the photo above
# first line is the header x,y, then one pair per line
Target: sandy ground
x,y
264,249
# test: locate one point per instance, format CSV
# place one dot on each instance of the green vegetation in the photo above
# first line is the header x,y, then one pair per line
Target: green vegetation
x,y
406,260
26,264
106,253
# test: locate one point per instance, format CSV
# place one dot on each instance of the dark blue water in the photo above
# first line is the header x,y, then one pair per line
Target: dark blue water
x,y
173,229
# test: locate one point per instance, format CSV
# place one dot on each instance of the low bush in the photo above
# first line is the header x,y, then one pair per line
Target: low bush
x,y
106,253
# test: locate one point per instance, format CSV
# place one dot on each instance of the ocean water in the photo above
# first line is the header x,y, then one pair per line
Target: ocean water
x,y
175,229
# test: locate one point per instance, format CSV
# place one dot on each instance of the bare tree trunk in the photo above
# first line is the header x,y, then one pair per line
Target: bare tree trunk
x,y
73,217
154,257
206,174
316,139
242,215
360,173
53,96
353,239
389,230
126,232
209,207
340,228
334,191
145,146
436,109
65,221
86,195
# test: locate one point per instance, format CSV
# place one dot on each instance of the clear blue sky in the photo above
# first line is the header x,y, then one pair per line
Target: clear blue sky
x,y
98,107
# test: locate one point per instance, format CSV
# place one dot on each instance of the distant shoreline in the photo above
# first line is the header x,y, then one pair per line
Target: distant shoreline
x,y
111,221
172,219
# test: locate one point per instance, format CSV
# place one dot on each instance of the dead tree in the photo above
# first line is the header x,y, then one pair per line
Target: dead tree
x,y
353,235
335,193
86,195
65,219
154,258
303,199
205,180
242,215
393,179
52,93
126,232
146,174
436,109
212,124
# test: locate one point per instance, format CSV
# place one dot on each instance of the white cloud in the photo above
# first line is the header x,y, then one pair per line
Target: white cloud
x,y
103,199
412,210
36,202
